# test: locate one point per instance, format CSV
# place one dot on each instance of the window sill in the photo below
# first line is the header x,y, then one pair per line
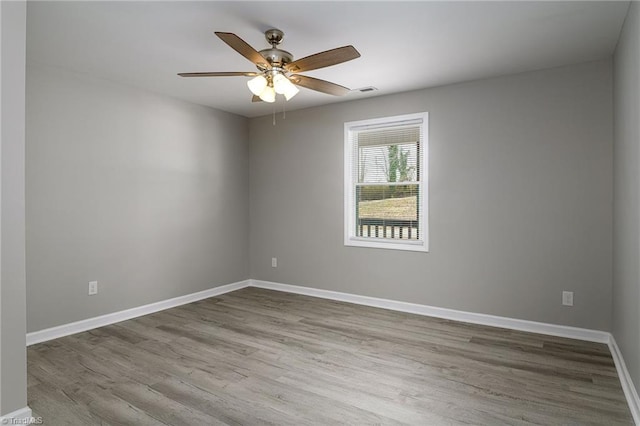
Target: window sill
x,y
386,244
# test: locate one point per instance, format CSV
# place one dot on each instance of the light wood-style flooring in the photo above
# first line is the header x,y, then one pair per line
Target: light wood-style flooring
x,y
256,357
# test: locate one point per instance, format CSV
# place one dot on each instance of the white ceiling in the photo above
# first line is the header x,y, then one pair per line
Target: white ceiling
x,y
404,45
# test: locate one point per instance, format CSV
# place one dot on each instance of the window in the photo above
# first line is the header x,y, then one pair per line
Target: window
x,y
386,182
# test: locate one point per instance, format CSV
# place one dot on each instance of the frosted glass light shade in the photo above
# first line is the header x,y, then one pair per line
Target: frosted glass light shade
x,y
257,85
280,83
268,94
290,91
284,86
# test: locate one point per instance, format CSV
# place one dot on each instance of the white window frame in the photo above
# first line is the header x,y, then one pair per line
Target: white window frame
x,y
350,238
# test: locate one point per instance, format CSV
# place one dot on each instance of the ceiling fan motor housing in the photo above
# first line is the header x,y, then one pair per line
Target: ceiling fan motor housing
x,y
277,57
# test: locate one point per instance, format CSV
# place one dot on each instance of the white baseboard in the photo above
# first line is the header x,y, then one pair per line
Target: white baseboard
x,y
18,417
414,308
101,321
629,389
451,314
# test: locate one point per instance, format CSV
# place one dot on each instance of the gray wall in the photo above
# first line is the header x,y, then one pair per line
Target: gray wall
x,y
13,365
145,194
626,236
520,198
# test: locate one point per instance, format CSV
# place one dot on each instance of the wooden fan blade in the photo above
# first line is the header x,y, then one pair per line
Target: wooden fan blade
x,y
324,59
255,98
241,46
218,74
319,85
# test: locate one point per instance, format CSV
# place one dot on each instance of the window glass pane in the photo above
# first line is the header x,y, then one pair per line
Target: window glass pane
x,y
387,211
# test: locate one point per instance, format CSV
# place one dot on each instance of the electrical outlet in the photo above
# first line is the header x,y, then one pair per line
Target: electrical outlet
x,y
93,288
274,262
567,298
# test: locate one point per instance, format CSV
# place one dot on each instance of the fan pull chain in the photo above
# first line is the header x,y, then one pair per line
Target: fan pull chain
x,y
284,110
274,115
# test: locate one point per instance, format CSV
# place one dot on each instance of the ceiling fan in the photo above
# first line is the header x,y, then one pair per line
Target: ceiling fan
x,y
278,72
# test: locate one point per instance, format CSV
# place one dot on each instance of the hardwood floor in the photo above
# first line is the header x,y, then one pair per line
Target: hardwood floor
x,y
257,356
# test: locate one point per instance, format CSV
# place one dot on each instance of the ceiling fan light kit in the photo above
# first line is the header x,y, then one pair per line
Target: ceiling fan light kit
x,y
278,72
266,88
